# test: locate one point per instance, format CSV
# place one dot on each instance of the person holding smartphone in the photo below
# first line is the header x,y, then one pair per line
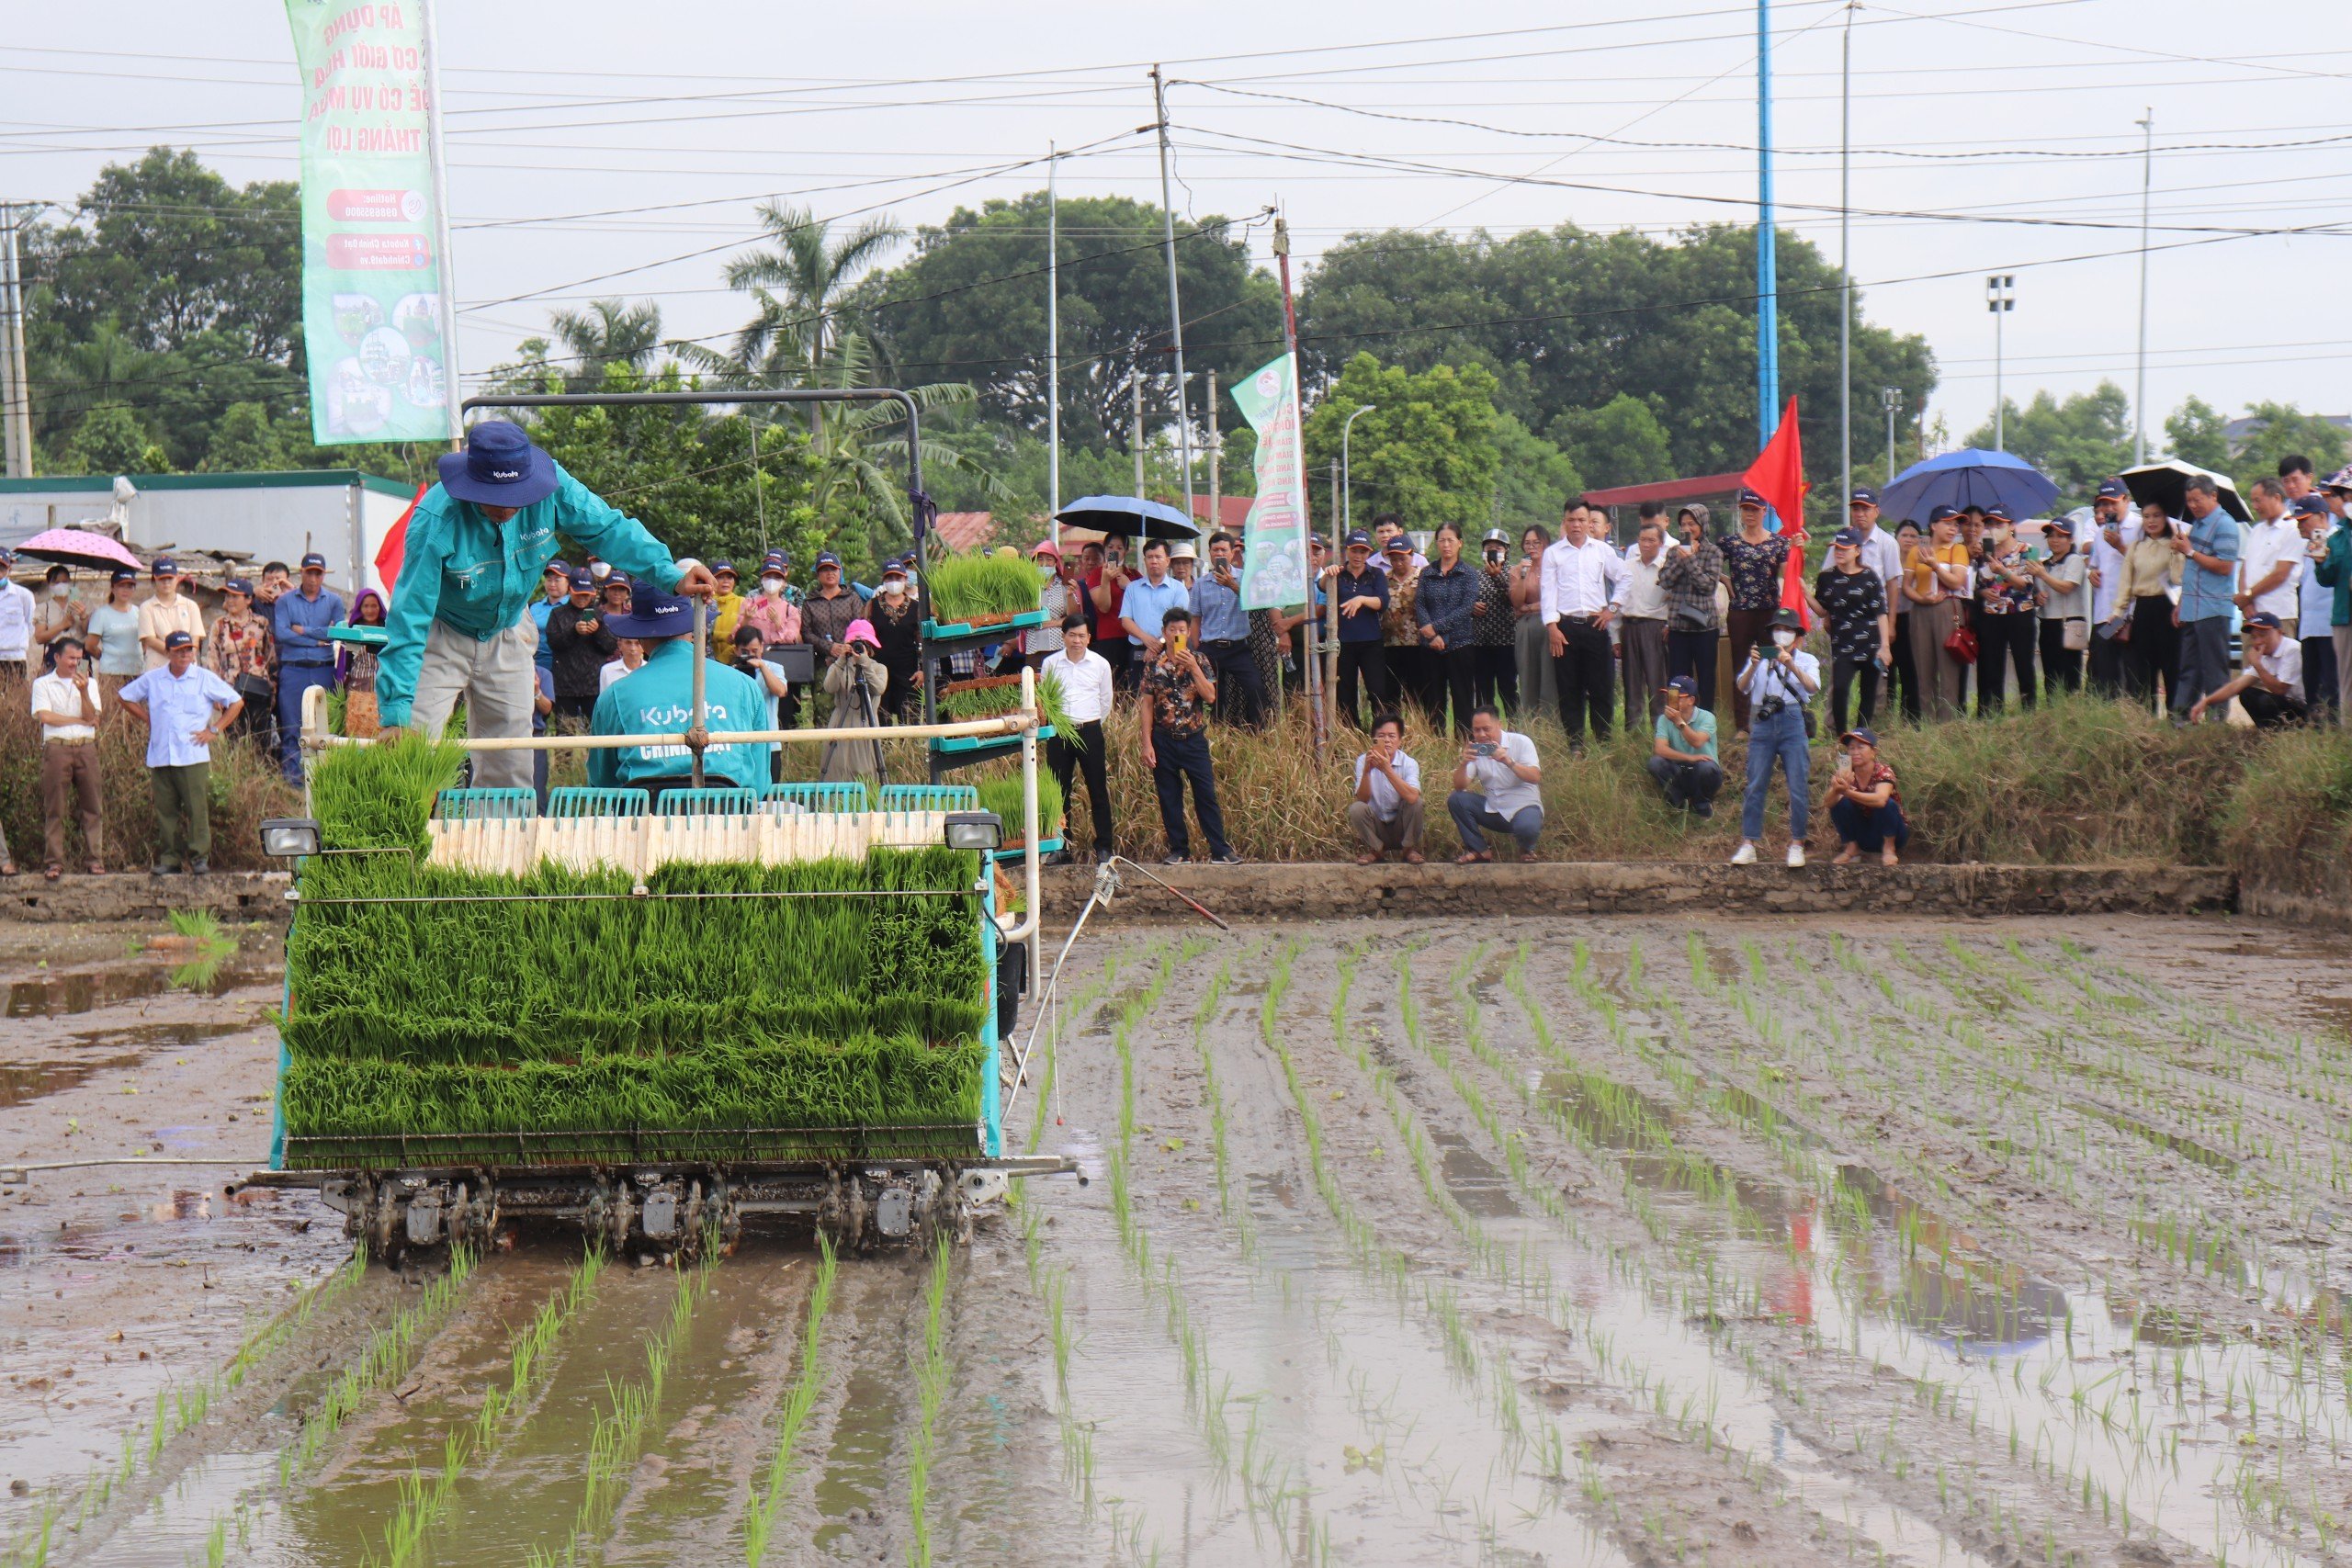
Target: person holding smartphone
x,y
1495,789
1778,682
1178,684
580,644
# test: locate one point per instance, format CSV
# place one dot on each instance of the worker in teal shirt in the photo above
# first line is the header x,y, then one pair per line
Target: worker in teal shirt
x,y
658,698
476,544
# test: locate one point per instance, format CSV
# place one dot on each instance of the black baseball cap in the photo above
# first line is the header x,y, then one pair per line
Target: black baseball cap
x,y
1866,736
726,566
1942,513
165,566
1683,686
2113,490
1359,538
1864,496
827,558
1752,497
177,639
124,574
2266,619
314,561
238,585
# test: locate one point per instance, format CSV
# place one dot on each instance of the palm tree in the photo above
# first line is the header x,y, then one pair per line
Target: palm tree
x,y
610,331
864,463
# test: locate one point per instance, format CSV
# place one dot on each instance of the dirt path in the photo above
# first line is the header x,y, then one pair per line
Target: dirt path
x,y
1609,1241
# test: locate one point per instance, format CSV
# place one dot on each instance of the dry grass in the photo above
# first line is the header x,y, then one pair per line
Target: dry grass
x,y
246,787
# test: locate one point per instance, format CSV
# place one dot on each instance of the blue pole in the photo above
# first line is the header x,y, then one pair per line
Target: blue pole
x,y
1768,293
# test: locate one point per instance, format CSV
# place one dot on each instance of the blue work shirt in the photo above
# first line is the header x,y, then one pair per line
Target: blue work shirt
x,y
658,698
1146,606
1360,625
177,706
314,616
544,657
475,576
2206,594
1218,610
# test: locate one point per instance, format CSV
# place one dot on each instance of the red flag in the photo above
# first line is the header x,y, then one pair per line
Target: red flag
x,y
390,554
1778,475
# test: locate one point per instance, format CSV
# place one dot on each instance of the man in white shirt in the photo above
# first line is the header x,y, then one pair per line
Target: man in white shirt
x,y
1083,678
18,608
1640,604
2270,558
2271,687
67,703
2115,529
1495,788
1386,811
186,708
1580,580
1881,554
1384,527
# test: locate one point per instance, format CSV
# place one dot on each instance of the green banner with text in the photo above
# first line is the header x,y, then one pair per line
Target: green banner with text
x,y
372,281
1274,575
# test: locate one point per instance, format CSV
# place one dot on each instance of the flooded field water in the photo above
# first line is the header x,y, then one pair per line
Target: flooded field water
x,y
1559,1242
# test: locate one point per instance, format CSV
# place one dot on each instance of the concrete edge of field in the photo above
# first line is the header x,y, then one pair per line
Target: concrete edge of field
x,y
1275,891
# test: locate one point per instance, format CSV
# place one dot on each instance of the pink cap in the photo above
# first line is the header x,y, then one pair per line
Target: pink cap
x,y
861,630
1047,547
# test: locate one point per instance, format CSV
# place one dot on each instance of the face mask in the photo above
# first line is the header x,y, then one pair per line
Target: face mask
x,y
894,586
60,590
1784,638
771,585
600,570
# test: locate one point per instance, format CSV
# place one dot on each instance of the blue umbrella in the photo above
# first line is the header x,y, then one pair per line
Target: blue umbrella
x,y
1128,515
1971,476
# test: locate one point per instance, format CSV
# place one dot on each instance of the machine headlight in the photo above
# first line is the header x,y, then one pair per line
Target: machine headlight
x,y
982,830
289,837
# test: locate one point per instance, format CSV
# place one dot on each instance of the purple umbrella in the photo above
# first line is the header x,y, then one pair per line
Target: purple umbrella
x,y
79,546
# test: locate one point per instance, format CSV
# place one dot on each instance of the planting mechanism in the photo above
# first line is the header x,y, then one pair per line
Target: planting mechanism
x,y
776,1102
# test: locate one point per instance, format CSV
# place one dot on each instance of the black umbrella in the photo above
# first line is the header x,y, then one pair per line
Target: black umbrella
x,y
1130,515
2167,484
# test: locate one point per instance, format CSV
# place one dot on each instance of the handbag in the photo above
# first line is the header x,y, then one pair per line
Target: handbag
x,y
2075,634
1962,645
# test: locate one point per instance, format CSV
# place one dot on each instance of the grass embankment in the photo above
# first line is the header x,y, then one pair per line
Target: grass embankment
x,y
588,1010
2075,782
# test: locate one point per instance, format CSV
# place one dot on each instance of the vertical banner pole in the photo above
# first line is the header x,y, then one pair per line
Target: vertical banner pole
x,y
436,149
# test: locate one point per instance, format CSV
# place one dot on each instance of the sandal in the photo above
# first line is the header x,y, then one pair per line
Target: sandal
x,y
7,868
1367,860
1478,857
53,872
97,868
1415,857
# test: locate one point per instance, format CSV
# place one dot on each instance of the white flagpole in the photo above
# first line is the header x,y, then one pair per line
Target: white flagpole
x,y
1052,351
437,152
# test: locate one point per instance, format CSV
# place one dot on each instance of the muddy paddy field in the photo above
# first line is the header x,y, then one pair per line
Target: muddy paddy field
x,y
1558,1242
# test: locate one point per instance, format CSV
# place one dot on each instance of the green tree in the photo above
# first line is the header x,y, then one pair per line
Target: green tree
x,y
112,439
2077,441
1568,320
973,298
688,475
1535,480
1428,448
2281,430
1620,443
244,442
2198,435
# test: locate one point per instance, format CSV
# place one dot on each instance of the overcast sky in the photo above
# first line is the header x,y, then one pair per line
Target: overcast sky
x,y
601,148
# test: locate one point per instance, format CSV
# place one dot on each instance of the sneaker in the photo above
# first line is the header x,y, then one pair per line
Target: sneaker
x,y
199,866
1703,808
164,868
1228,858
1796,856
1745,854
1175,860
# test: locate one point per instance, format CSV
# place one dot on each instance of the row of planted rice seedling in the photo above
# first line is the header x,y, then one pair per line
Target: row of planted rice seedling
x,y
731,996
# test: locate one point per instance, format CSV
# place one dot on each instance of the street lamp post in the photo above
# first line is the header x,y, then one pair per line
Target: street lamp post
x,y
2140,396
2000,297
1890,396
1347,485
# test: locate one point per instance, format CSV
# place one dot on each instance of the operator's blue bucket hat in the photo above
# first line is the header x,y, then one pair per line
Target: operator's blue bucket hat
x,y
499,468
654,613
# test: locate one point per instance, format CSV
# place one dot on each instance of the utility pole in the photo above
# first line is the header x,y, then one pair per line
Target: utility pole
x,y
1846,256
1052,351
1175,309
2147,175
16,395
1135,424
1767,290
2000,297
1216,451
1890,396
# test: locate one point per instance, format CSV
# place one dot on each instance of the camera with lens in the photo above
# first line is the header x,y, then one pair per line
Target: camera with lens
x,y
1771,708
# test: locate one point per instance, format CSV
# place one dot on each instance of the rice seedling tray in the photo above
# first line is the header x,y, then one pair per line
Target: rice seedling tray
x,y
974,747
980,628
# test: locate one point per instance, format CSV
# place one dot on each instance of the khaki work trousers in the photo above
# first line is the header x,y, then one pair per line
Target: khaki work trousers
x,y
71,769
